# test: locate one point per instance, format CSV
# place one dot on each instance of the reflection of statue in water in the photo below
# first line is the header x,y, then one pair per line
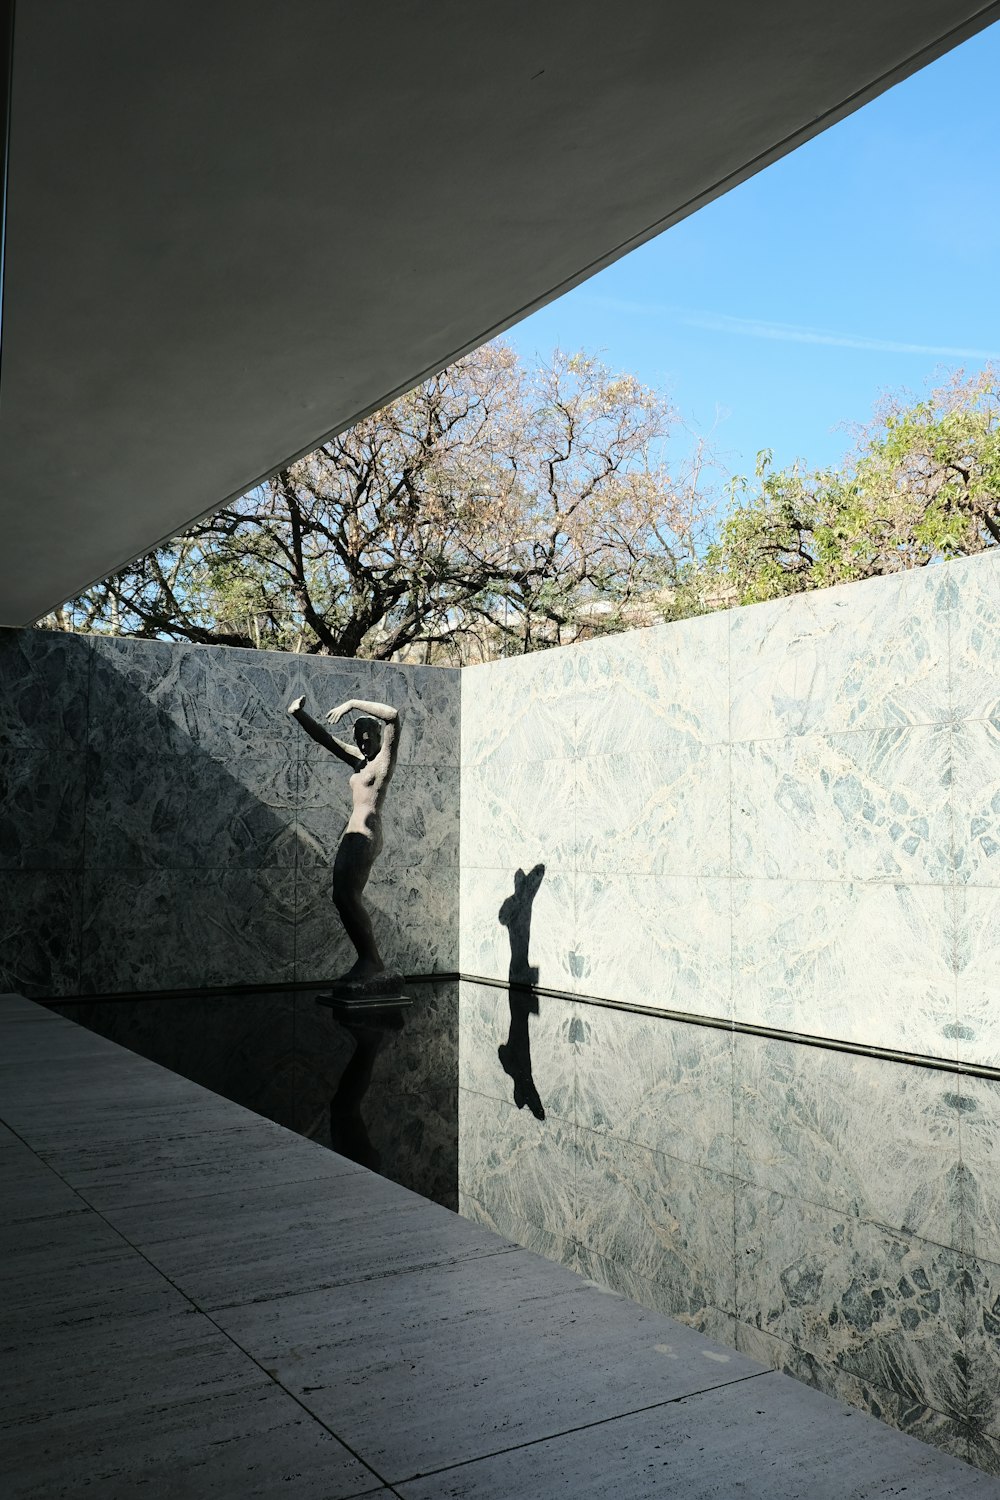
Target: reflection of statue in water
x,y
372,763
515,1053
348,1130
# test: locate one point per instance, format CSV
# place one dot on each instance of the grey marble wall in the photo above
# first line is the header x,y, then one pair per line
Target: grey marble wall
x,y
786,816
163,824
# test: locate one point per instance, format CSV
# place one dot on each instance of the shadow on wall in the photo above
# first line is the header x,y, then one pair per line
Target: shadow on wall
x,y
522,976
162,828
141,847
190,826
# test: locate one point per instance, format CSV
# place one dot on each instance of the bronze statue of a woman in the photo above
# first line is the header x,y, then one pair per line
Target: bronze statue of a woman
x,y
372,763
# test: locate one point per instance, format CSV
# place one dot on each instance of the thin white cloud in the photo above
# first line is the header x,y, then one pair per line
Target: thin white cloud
x,y
790,333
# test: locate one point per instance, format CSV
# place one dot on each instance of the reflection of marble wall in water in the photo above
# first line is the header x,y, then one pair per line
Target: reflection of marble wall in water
x,y
833,1215
785,816
163,824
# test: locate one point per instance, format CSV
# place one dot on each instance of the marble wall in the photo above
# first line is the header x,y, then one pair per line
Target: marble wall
x,y
163,824
785,817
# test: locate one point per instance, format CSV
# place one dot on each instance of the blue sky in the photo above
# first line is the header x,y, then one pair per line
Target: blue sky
x,y
866,261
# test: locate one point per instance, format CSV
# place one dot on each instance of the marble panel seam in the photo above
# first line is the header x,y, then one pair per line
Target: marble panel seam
x,y
837,1209
88,770
638,1145
835,880
732,940
814,1040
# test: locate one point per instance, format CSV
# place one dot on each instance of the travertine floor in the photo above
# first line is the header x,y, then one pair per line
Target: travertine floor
x,y
196,1301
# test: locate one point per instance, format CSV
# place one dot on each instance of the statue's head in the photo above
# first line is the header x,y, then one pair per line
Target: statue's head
x,y
368,736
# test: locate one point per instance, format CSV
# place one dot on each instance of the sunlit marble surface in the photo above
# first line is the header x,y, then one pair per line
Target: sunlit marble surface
x,y
787,814
872,655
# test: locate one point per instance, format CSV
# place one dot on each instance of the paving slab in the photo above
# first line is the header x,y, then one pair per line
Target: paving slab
x,y
22,1036
251,1447
16,1008
73,1268
437,1366
91,1369
764,1439
163,1407
27,1193
245,1246
207,1164
73,1132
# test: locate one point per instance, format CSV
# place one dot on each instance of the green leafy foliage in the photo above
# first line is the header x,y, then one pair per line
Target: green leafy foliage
x,y
922,485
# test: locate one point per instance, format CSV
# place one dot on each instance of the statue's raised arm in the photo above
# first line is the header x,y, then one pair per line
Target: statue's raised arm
x,y
315,731
372,760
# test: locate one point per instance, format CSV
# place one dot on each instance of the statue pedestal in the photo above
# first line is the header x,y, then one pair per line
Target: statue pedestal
x,y
370,1009
371,1001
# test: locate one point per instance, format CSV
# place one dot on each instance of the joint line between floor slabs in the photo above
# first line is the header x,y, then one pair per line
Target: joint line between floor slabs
x,y
552,1437
203,1312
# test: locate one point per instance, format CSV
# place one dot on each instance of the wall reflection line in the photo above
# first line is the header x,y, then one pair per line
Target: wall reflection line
x,y
751,1028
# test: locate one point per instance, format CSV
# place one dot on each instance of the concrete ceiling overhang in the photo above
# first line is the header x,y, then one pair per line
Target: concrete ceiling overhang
x,y
234,228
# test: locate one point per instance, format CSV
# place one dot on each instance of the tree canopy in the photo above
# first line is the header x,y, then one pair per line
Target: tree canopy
x,y
922,485
498,508
486,511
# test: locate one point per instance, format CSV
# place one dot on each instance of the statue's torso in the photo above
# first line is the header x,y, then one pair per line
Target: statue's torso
x,y
367,788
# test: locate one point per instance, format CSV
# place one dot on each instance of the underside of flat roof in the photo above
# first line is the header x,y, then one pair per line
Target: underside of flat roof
x,y
233,229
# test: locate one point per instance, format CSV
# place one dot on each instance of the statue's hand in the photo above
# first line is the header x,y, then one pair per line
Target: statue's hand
x,y
336,714
293,708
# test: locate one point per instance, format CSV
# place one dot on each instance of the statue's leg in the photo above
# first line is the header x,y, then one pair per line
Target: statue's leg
x,y
355,857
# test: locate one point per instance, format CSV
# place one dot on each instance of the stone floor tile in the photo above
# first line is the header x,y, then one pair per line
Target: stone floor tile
x,y
436,1367
765,1437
